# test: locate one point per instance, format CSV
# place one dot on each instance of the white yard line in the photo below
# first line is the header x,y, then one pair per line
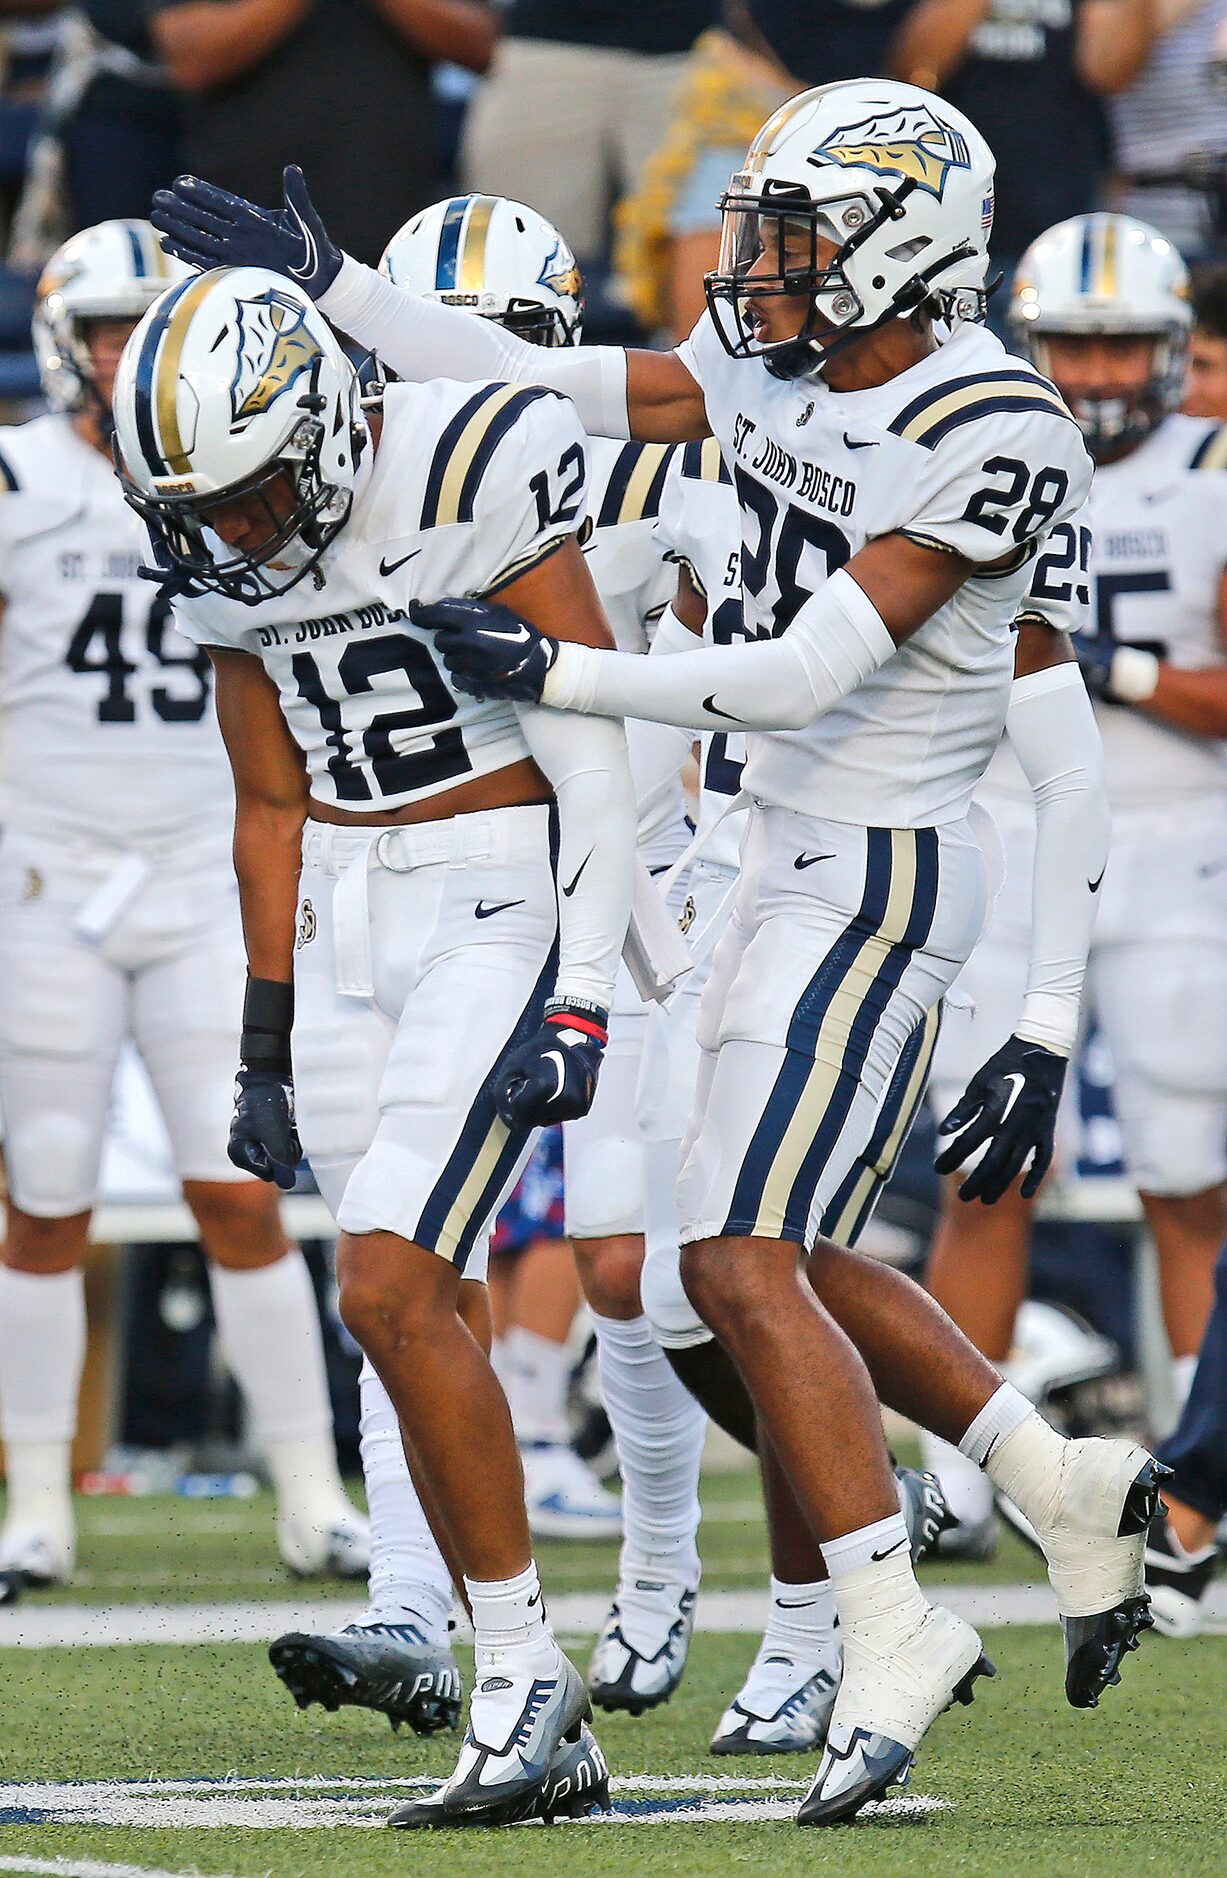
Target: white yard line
x,y
31,1625
86,1868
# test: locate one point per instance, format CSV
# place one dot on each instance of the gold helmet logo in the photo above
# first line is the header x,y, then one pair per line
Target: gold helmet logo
x,y
911,144
276,346
561,279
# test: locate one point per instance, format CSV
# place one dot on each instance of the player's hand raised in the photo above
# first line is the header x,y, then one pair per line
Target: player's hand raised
x,y
211,227
552,1077
1011,1105
263,1138
488,650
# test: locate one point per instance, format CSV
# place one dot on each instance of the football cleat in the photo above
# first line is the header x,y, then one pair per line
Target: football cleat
x,y
639,1675
31,1560
1092,1533
926,1512
339,1549
392,1668
577,1784
517,1727
564,1498
1176,1580
784,1707
890,1694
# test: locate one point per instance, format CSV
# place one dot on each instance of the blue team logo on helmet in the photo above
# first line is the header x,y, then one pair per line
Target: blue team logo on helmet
x,y
559,273
911,144
275,348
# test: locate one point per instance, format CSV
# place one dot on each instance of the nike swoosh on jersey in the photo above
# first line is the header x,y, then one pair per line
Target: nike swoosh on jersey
x,y
709,704
568,891
807,860
860,443
1094,885
482,911
390,567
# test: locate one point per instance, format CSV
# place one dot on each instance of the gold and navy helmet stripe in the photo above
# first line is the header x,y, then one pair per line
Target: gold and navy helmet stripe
x,y
1211,452
702,462
858,1193
1098,272
830,1034
934,414
463,452
636,484
156,378
149,259
8,482
460,262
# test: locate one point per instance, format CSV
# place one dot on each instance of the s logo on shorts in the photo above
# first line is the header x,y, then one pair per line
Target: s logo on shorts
x,y
306,926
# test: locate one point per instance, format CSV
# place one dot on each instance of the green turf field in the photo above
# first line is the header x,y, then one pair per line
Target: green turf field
x,y
1028,1786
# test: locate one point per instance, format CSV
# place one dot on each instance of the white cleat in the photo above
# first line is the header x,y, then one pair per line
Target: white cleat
x,y
891,1692
641,1651
32,1558
518,1726
783,1707
1092,1531
338,1546
564,1498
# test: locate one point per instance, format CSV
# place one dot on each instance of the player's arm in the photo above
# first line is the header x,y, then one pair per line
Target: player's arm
x,y
659,751
1194,700
270,784
649,395
835,640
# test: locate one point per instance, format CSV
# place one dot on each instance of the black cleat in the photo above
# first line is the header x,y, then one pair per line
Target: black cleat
x,y
387,1667
926,1511
1095,1648
633,1680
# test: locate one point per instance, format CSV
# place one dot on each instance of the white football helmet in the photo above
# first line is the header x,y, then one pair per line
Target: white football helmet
x,y
496,258
234,389
897,179
1103,274
111,271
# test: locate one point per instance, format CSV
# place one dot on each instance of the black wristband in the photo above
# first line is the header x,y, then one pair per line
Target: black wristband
x,y
268,1018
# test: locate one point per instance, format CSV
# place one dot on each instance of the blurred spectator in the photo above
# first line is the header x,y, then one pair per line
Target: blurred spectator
x,y
28,36
1030,74
576,102
1205,386
764,52
1170,130
344,86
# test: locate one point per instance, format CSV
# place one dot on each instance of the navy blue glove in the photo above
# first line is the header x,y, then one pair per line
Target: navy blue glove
x,y
1011,1103
263,1138
552,1077
210,227
487,649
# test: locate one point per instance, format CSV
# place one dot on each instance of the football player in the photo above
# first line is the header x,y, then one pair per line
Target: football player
x,y
1101,305
896,479
436,929
120,919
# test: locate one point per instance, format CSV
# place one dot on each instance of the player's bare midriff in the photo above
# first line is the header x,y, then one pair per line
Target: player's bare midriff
x,y
509,788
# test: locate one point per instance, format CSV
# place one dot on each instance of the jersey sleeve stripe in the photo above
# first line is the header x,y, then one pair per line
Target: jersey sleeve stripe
x,y
922,421
615,489
635,485
8,481
1211,452
465,448
702,462
540,551
449,243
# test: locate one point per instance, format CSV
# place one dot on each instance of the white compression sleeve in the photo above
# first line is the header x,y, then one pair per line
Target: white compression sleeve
x,y
658,751
586,764
833,644
1052,728
420,339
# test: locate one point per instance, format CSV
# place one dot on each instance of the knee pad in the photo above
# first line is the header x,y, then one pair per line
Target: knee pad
x,y
676,1325
52,1159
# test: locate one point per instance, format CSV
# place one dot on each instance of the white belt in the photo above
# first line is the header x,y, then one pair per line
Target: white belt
x,y
112,897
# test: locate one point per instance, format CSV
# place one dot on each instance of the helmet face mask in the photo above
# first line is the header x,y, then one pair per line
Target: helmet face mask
x,y
239,435
863,201
1110,278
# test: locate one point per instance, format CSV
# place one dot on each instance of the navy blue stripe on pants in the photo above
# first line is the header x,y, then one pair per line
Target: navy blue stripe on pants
x,y
1197,1449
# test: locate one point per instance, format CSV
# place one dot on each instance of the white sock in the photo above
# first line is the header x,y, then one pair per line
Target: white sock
x,y
872,1577
510,1628
1026,1464
535,1380
1006,1409
269,1331
658,1430
42,1349
409,1582
802,1625
1184,1368
968,1490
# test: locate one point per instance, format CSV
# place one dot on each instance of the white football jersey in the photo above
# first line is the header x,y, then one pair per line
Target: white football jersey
x,y
107,728
969,450
470,486
1158,550
700,527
